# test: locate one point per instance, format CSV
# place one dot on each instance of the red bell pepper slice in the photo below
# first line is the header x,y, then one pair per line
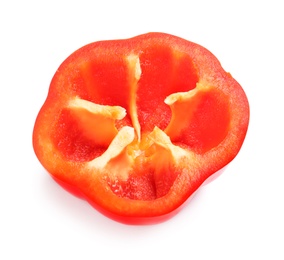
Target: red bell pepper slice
x,y
136,126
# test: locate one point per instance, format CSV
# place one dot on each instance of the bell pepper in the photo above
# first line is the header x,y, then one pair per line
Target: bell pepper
x,y
135,126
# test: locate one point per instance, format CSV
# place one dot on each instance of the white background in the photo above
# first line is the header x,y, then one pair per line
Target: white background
x,y
238,216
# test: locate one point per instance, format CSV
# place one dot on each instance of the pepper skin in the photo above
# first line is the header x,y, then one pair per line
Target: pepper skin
x,y
136,126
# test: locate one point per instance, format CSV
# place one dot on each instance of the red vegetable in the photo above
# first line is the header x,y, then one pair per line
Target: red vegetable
x,y
136,126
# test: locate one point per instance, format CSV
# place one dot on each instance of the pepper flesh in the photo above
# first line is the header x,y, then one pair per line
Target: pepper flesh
x,y
137,125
